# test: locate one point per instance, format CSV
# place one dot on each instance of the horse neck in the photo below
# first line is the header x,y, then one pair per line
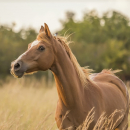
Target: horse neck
x,y
67,80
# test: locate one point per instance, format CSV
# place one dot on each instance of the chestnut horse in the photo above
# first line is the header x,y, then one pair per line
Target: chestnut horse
x,y
78,91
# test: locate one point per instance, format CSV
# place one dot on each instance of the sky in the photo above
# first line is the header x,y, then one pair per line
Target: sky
x,y
34,13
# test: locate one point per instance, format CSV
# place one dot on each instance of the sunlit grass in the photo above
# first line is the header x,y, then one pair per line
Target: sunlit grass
x,y
28,104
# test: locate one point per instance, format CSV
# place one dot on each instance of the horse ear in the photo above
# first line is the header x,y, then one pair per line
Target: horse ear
x,y
47,31
41,29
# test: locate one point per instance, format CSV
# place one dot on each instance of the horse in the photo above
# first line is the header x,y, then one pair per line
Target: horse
x,y
78,89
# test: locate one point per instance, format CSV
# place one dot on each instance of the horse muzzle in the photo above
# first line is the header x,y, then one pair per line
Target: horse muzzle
x,y
18,68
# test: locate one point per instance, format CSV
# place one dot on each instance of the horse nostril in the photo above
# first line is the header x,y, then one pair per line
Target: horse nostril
x,y
16,66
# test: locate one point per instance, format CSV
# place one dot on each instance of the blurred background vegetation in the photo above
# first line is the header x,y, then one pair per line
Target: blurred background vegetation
x,y
99,42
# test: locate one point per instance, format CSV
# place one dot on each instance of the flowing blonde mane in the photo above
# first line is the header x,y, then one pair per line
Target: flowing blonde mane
x,y
83,72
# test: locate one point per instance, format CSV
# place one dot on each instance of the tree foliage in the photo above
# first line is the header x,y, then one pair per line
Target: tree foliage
x,y
100,41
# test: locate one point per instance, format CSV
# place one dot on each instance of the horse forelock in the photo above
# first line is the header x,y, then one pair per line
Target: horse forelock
x,y
42,37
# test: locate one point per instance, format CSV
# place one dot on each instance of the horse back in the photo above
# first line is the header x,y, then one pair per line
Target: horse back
x,y
106,77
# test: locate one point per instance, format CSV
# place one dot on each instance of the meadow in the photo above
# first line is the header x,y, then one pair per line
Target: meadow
x,y
28,104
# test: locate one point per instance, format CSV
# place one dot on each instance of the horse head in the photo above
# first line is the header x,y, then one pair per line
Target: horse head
x,y
39,55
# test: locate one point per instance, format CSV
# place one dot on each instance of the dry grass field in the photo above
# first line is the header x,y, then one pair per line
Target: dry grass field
x,y
28,104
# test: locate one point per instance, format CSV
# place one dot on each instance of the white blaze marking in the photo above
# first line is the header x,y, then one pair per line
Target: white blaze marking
x,y
32,45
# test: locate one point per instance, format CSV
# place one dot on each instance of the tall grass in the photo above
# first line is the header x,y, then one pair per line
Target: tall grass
x,y
103,123
29,104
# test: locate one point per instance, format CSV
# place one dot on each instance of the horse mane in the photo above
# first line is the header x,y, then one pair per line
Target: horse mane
x,y
110,71
83,72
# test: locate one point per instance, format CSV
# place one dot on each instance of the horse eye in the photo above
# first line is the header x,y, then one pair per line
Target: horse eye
x,y
41,48
60,116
